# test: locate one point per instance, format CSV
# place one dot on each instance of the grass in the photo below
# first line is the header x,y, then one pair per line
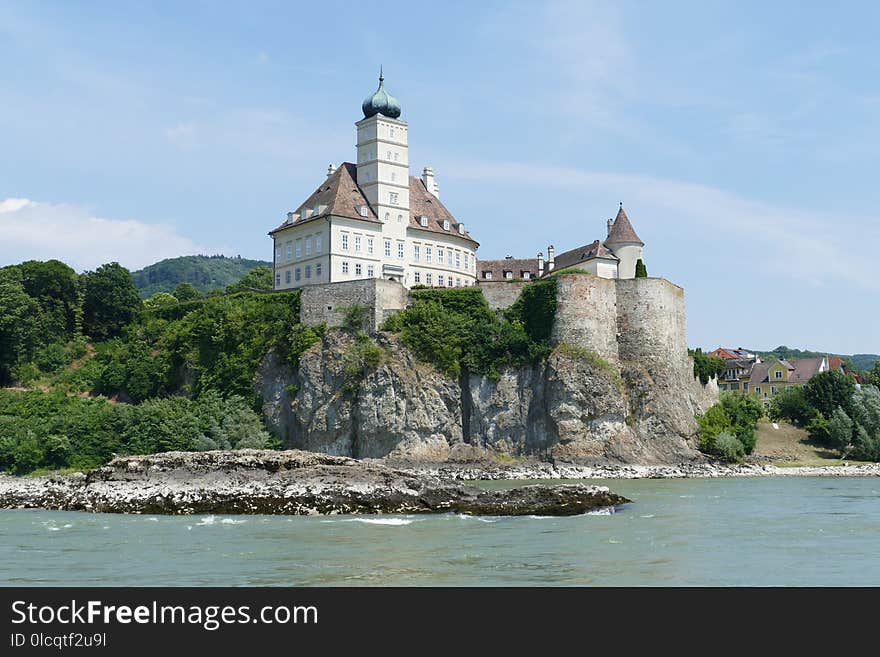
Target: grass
x,y
591,357
790,446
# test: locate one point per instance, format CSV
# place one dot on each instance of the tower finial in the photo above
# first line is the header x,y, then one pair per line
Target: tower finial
x,y
381,77
621,204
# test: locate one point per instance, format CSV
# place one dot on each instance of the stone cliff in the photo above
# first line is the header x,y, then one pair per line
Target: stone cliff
x,y
618,387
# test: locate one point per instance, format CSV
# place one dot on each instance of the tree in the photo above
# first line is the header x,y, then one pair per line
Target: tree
x,y
110,301
258,278
20,318
840,431
186,292
830,390
159,300
706,367
641,270
744,412
873,375
791,404
55,286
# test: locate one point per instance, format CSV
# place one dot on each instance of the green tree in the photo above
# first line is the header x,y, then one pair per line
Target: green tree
x,y
258,278
744,412
20,320
840,431
641,270
54,286
712,423
828,391
110,301
186,292
159,300
706,367
791,405
873,375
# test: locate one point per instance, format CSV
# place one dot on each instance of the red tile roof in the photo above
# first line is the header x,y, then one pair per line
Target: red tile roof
x,y
423,203
622,230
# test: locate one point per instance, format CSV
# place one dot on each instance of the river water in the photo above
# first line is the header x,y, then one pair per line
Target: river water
x,y
750,531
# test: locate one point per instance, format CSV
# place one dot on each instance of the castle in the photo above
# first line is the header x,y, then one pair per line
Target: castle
x,y
373,221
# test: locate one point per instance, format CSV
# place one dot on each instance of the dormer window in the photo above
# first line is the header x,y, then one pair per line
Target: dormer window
x,y
363,211
525,275
423,222
461,229
487,275
446,224
508,275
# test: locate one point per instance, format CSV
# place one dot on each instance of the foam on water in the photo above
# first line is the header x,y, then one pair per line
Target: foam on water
x,y
394,522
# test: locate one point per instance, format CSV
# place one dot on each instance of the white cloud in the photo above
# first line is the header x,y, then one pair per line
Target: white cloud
x,y
182,135
809,247
72,234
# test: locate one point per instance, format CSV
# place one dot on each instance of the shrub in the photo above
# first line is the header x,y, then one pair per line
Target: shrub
x,y
728,447
791,404
830,390
51,358
641,270
706,367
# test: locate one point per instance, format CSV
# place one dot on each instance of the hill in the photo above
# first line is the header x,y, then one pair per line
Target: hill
x,y
859,361
205,273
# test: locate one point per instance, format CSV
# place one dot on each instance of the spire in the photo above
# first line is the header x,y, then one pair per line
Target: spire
x,y
381,102
622,230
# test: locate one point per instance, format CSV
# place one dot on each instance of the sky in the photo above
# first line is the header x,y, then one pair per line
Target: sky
x,y
742,138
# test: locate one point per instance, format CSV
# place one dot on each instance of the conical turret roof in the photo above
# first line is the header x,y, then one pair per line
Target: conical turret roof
x,y
622,230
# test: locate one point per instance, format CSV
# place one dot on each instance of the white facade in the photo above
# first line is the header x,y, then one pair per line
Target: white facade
x,y
376,237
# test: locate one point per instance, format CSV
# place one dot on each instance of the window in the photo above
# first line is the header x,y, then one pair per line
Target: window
x,y
287,277
457,282
369,245
449,282
439,256
487,275
357,243
423,222
363,210
358,270
344,267
508,275
441,279
418,277
392,198
308,271
387,216
277,279
298,249
387,248
308,246
277,253
289,249
526,275
391,131
400,218
318,243
772,390
298,274
395,157
461,229
734,386
458,259
746,387
467,262
446,224
345,241
417,252
400,250
428,250
393,176
449,257
429,279
370,271
389,155
777,374
758,389
318,270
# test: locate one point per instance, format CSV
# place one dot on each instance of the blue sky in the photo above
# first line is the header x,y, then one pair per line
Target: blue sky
x,y
741,137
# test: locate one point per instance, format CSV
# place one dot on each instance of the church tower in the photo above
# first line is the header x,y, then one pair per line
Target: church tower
x,y
383,164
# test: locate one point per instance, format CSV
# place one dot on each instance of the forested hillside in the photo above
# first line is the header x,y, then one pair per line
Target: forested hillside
x,y
205,273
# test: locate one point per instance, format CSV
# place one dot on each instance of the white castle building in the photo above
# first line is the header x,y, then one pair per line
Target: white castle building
x,y
372,220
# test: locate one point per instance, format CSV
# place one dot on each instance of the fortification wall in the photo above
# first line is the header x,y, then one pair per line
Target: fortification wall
x,y
651,324
501,294
327,303
586,314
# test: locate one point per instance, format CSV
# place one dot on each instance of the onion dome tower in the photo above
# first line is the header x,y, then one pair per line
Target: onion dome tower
x,y
381,102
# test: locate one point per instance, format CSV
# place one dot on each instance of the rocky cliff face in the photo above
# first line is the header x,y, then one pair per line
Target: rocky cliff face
x,y
573,407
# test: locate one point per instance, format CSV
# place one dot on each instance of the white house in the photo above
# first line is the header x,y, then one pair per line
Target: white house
x,y
373,220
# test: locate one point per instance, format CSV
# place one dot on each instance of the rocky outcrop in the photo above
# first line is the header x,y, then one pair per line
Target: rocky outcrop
x,y
290,482
574,407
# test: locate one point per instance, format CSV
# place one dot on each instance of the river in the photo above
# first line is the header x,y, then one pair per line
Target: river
x,y
808,531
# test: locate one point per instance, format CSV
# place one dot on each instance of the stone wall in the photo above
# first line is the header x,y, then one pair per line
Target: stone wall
x,y
501,294
586,314
651,324
327,303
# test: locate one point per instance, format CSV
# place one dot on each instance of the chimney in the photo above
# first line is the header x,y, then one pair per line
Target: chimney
x,y
540,263
429,181
330,169
551,258
610,225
